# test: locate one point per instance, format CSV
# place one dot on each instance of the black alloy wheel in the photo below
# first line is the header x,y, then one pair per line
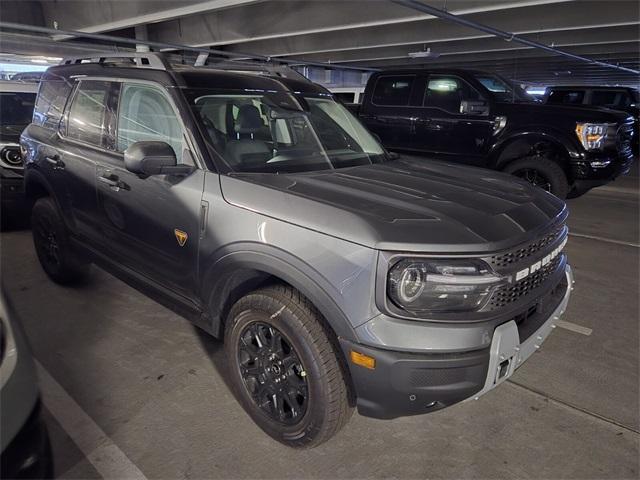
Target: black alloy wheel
x,y
534,177
273,373
285,367
47,243
57,256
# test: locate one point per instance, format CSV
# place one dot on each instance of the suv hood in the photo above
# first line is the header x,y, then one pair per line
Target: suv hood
x,y
578,113
403,205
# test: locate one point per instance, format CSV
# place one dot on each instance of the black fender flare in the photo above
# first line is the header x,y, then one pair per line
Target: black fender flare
x,y
266,261
547,135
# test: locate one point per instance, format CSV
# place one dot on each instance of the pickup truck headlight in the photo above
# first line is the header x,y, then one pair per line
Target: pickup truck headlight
x,y
438,285
592,136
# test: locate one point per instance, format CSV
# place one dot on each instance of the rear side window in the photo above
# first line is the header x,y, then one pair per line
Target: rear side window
x,y
568,97
88,113
52,97
16,108
447,93
606,98
393,90
146,114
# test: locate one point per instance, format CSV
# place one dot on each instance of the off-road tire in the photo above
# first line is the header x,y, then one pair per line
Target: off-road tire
x,y
544,166
328,406
61,263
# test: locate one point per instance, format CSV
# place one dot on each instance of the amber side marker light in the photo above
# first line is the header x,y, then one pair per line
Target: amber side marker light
x,y
363,360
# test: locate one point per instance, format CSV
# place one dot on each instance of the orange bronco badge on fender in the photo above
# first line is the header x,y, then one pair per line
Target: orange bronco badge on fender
x,y
181,237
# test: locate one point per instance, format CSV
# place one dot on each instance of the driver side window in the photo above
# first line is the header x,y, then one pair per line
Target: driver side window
x,y
146,114
447,93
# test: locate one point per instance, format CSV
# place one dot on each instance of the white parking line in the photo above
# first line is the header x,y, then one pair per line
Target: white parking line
x,y
100,451
603,239
574,327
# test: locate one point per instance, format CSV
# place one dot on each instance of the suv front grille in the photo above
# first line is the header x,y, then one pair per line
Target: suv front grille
x,y
508,294
514,257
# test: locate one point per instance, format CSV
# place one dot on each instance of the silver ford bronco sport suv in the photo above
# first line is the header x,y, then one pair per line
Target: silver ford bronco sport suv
x,y
258,207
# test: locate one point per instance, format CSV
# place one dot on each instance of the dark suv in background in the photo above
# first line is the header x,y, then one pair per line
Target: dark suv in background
x,y
16,109
482,119
258,206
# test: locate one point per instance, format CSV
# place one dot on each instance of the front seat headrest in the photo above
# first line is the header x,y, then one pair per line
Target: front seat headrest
x,y
249,119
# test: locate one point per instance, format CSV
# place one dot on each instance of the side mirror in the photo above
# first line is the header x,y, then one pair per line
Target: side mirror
x,y
153,158
474,107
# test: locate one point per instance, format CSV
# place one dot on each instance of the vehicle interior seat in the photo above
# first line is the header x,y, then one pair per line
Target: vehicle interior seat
x,y
246,148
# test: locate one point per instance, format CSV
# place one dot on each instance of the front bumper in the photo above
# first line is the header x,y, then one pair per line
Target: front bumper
x,y
409,383
587,173
29,453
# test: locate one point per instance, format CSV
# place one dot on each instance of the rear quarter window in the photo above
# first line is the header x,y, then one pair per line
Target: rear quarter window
x,y
52,98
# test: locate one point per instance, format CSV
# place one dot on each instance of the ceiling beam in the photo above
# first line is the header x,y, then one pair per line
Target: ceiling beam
x,y
109,15
594,36
510,37
285,18
523,20
514,53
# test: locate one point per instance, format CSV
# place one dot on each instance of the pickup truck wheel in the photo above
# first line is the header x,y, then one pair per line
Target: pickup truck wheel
x,y
54,250
284,369
541,172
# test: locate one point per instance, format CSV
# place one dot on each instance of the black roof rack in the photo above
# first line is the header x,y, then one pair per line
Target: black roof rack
x,y
138,59
160,61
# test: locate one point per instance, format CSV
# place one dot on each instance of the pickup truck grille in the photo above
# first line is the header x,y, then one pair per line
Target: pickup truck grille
x,y
508,294
515,257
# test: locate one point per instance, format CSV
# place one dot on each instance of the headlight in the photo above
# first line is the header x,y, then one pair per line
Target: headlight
x,y
592,136
434,285
498,124
10,156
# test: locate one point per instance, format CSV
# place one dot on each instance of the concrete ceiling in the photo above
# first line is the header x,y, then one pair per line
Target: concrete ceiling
x,y
371,33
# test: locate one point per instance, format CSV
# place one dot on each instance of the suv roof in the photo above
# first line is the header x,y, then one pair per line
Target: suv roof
x,y
589,87
458,71
155,67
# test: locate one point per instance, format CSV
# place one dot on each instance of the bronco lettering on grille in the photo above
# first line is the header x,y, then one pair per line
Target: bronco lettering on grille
x,y
525,272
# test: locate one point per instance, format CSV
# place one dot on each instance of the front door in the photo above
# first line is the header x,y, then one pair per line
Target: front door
x,y
151,224
446,127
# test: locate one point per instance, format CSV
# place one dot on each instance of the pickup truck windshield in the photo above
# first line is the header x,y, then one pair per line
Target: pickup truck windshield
x,y
502,90
277,132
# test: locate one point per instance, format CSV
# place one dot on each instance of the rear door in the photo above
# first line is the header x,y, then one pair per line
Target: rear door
x,y
444,129
151,224
84,134
389,113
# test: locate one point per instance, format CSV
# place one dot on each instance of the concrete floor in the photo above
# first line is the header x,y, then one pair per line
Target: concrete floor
x,y
128,384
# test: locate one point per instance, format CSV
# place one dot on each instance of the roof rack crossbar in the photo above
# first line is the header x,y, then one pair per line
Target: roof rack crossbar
x,y
139,59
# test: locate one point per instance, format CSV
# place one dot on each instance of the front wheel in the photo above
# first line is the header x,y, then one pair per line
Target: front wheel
x,y
284,368
541,172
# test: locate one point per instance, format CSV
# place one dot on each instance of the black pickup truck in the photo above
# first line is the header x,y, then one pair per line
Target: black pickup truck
x,y
482,119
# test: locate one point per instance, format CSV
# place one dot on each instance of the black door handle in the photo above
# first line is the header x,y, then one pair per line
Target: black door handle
x,y
55,161
113,182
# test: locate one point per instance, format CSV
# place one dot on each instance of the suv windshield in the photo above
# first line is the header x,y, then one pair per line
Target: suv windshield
x,y
503,90
278,132
16,108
